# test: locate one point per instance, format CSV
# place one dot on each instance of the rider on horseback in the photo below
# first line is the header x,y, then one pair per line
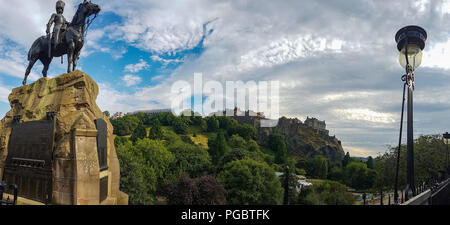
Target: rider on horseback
x,y
60,24
67,39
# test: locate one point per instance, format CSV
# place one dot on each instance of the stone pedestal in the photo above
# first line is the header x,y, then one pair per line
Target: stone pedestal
x,y
85,168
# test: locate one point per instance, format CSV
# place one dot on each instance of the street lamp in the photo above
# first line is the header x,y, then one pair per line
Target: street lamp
x,y
410,43
447,140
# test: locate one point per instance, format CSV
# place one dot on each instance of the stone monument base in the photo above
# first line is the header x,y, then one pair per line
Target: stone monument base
x,y
57,146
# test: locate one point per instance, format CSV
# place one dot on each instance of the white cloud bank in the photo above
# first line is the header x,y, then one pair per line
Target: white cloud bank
x,y
336,60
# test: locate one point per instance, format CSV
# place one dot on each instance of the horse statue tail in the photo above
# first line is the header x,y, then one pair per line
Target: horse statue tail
x,y
34,48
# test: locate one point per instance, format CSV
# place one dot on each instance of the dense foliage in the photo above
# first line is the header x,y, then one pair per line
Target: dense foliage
x,y
326,193
278,145
216,160
204,190
249,182
429,163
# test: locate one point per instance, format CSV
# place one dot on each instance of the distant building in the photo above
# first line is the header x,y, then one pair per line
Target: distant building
x,y
118,115
248,117
319,126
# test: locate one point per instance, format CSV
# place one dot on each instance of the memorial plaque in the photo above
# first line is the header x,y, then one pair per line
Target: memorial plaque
x,y
103,189
102,143
29,160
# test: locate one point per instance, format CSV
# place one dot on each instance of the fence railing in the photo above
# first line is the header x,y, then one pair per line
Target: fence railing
x,y
438,194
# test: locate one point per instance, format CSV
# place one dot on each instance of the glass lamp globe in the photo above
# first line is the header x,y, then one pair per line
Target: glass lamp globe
x,y
414,56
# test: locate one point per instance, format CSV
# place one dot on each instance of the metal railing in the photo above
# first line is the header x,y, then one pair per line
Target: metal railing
x,y
437,194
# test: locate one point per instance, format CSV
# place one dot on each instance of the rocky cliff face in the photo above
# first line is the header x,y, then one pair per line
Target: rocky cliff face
x,y
76,170
303,141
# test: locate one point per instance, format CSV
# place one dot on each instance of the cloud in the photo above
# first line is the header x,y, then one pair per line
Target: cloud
x,y
97,41
4,93
131,80
165,62
13,62
360,152
335,60
24,21
161,26
324,53
367,115
114,100
134,68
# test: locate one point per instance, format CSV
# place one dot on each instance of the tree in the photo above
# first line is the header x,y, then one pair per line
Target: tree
x,y
319,167
358,176
141,116
179,126
168,118
249,182
325,193
120,141
156,132
235,154
217,147
125,126
347,159
212,124
429,163
136,178
278,146
246,131
157,157
191,159
203,125
139,133
228,124
384,169
204,190
369,162
107,114
237,141
336,173
148,119
430,158
253,146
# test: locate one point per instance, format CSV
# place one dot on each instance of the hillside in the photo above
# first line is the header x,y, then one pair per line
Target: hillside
x,y
303,141
163,153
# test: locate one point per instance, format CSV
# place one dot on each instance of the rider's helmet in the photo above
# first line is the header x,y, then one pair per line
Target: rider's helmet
x,y
60,5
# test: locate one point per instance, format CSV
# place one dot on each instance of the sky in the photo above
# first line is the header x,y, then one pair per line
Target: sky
x,y
336,60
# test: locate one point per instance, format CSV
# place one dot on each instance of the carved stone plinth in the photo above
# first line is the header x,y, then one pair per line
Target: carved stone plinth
x,y
84,165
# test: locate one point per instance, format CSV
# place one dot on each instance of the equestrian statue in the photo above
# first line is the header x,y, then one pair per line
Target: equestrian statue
x,y
66,38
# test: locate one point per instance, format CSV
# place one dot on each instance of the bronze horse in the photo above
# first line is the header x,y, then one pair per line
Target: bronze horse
x,y
71,44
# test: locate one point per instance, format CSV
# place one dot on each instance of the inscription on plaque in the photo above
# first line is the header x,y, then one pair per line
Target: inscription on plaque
x,y
29,160
102,144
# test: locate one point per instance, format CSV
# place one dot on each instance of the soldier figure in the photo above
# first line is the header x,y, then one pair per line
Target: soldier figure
x,y
60,24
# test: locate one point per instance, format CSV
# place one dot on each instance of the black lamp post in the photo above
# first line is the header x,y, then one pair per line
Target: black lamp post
x,y
410,42
446,138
